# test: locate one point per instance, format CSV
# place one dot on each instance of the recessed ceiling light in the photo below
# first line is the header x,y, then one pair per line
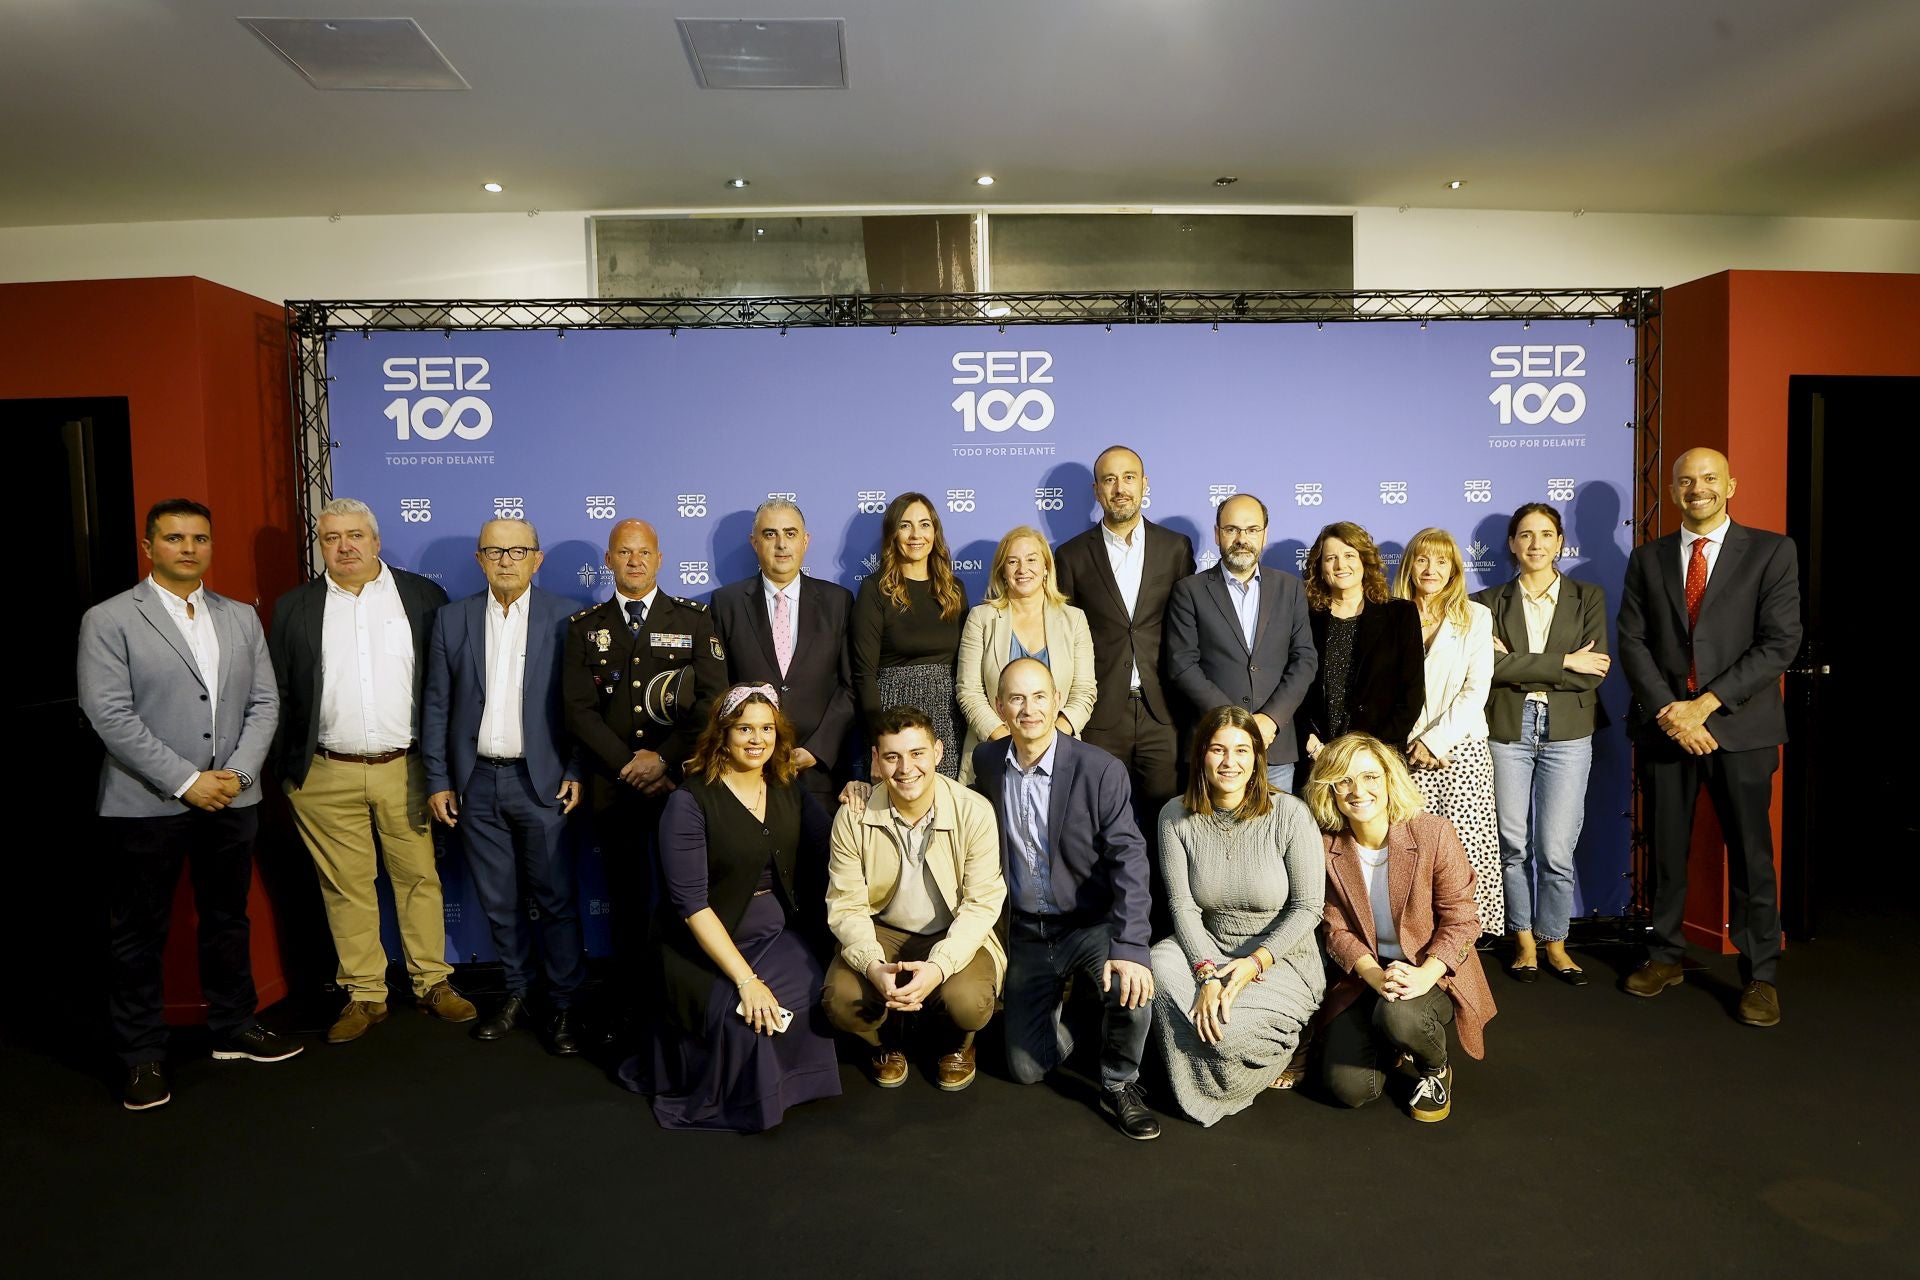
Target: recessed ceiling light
x,y
1456,184
759,231
1225,180
736,182
492,187
985,180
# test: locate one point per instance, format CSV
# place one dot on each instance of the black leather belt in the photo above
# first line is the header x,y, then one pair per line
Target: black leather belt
x,y
345,757
502,762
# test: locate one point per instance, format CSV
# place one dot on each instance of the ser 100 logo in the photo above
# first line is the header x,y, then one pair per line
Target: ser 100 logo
x,y
1560,490
1393,492
696,573
416,510
1533,401
1001,410
600,507
960,501
509,508
436,417
870,502
1049,499
1479,491
690,505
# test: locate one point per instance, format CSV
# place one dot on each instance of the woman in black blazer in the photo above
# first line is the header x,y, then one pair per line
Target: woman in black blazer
x,y
1372,676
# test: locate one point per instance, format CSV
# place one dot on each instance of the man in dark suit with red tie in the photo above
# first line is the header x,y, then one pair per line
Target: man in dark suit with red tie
x,y
1121,572
782,628
1709,620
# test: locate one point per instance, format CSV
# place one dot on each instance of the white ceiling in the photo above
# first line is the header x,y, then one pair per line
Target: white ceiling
x,y
134,110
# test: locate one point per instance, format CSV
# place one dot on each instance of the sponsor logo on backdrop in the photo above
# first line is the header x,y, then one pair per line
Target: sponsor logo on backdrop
x,y
1393,492
509,508
869,565
1479,491
695,573
1560,490
968,566
690,505
1146,497
1003,390
1308,495
783,497
600,508
1219,493
1206,559
1477,559
416,510
1049,499
433,417
870,502
589,574
960,501
1538,383
1300,559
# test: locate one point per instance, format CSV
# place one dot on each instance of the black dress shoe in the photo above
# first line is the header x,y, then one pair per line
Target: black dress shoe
x,y
1523,972
1129,1111
503,1019
1571,976
563,1034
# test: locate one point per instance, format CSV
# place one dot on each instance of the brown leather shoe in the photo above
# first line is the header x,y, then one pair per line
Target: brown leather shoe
x,y
889,1068
957,1069
1759,1005
446,1004
1653,977
355,1019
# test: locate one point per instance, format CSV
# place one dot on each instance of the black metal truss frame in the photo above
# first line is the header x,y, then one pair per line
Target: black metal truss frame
x,y
312,325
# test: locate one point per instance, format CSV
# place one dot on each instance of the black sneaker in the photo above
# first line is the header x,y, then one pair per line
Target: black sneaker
x,y
1433,1096
146,1087
1129,1111
256,1043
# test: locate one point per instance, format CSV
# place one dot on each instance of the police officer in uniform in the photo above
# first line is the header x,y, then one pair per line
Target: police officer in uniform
x,y
642,671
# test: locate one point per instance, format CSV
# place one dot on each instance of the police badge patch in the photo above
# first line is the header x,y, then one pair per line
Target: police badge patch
x,y
602,639
719,654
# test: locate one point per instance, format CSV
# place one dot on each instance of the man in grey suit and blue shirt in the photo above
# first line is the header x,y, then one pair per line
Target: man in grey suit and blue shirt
x,y
1239,635
1077,886
501,768
177,683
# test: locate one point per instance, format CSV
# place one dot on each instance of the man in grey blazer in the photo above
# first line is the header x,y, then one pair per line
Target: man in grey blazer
x,y
1709,620
1239,635
177,683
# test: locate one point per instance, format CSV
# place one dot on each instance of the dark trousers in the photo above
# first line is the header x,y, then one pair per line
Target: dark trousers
x,y
146,854
628,824
1366,1037
515,843
1042,952
1740,784
1151,752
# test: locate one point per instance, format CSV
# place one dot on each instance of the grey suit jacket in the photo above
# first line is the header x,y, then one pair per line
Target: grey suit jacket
x,y
1208,658
141,691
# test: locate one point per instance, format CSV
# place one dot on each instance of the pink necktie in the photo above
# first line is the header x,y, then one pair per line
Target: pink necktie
x,y
782,630
1696,587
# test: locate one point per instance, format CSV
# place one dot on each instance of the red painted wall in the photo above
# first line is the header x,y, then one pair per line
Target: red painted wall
x,y
204,372
1729,343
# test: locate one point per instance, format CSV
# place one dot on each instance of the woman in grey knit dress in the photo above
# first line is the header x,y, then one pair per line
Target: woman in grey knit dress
x,y
1245,874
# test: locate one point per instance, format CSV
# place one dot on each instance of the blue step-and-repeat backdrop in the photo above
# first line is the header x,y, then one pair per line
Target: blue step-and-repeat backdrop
x,y
1391,425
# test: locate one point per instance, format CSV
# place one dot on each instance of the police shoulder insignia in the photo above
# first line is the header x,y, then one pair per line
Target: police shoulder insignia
x,y
713,643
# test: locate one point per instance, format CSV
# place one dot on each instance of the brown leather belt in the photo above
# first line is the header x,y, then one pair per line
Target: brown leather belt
x,y
385,757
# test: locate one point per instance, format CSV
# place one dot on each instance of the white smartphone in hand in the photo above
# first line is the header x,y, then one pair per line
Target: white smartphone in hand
x,y
783,1014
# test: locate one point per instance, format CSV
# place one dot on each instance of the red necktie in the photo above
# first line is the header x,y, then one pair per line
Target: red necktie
x,y
1696,587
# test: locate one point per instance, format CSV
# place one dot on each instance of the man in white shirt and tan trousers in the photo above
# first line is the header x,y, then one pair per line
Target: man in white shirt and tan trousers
x,y
350,655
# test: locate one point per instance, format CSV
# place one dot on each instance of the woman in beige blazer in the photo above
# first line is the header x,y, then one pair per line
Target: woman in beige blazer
x,y
1025,616
1447,751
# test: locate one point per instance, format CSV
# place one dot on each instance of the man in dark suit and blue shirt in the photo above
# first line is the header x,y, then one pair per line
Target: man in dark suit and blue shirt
x,y
500,767
350,655
1239,635
783,628
177,683
1709,621
1120,573
1076,872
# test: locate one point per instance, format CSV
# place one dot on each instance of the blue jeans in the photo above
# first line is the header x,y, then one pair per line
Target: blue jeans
x,y
1042,951
1540,794
1280,777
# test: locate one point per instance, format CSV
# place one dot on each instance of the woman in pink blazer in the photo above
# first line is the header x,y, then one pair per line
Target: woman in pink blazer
x,y
1400,927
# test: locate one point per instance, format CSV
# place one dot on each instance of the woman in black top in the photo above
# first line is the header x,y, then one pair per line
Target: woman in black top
x,y
1372,676
907,622
734,839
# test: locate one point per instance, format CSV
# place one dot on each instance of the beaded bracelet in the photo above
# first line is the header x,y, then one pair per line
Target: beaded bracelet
x,y
752,977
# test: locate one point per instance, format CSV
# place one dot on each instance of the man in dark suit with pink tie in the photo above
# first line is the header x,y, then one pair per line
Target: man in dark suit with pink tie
x,y
1709,621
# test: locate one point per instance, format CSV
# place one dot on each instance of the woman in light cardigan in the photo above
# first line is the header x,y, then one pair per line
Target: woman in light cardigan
x,y
1024,616
1447,751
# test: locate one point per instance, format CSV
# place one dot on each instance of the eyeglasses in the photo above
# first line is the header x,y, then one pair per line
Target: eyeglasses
x,y
1346,786
1251,530
516,554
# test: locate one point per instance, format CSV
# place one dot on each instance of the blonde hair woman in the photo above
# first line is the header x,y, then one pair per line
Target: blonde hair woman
x,y
1448,749
1024,616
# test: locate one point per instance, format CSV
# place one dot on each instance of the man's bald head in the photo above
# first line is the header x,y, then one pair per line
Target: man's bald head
x,y
633,553
1702,485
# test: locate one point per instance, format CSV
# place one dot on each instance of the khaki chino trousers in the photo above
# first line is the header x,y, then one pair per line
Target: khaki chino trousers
x,y
350,817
